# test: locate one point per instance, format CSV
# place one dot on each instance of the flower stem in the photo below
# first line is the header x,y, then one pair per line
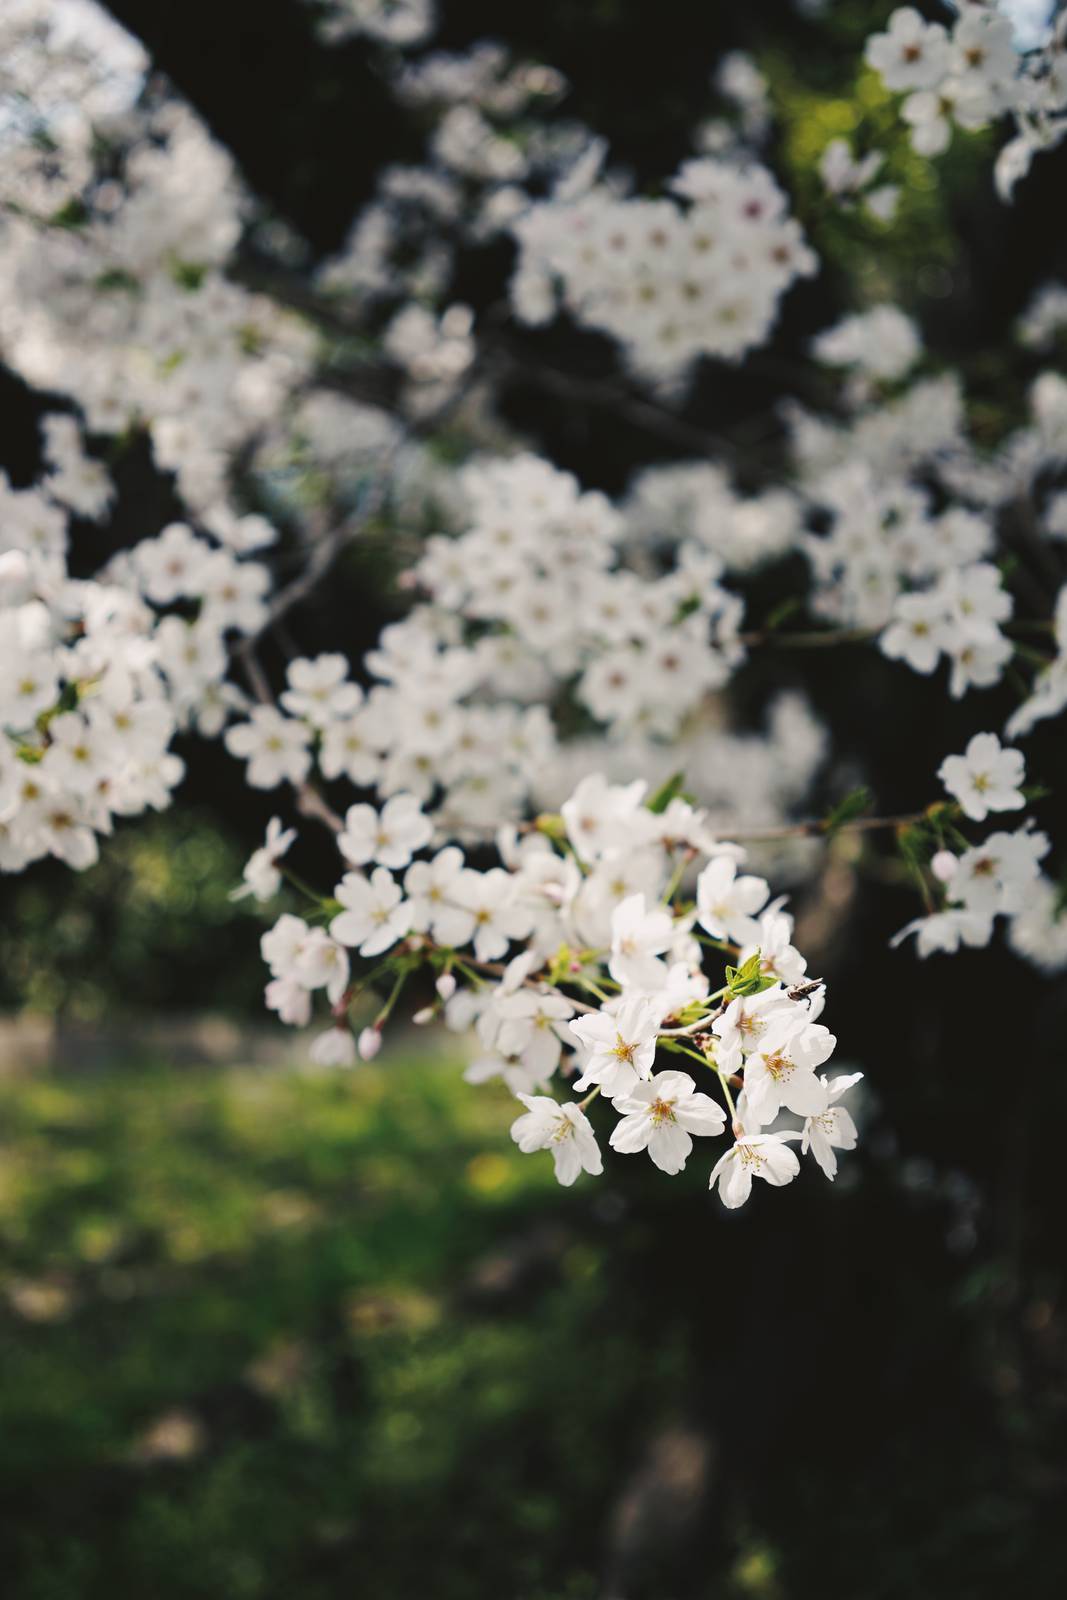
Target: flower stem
x,y
725,1090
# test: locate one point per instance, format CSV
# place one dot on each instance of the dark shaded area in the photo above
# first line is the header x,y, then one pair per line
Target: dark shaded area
x,y
846,1395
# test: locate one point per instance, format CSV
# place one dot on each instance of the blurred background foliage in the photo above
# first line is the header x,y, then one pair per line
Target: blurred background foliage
x,y
144,927
264,1335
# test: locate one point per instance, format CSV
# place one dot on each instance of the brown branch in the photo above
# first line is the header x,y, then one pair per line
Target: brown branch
x,y
376,382
809,641
816,829
612,395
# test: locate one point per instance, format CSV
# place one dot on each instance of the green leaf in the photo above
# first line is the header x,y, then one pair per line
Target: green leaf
x,y
71,215
115,278
913,846
671,790
686,608
781,613
188,274
847,810
747,979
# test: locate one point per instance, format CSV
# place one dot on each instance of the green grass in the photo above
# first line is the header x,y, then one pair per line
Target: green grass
x,y
268,1334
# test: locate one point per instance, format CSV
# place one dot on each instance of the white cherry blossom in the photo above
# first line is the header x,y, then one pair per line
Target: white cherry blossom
x,y
375,914
781,1071
639,937
985,778
831,1129
661,1115
727,903
563,1129
390,837
275,747
262,877
618,1048
753,1155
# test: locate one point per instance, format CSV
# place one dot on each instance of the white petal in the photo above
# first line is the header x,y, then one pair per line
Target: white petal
x,y
669,1146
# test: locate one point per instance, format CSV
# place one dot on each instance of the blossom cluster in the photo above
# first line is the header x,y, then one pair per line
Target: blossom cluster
x,y
85,722
911,517
613,920
98,676
487,146
544,598
970,76
401,23
670,279
514,842
997,876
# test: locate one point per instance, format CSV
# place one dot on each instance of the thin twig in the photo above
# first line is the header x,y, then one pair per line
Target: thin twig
x,y
815,829
611,395
809,641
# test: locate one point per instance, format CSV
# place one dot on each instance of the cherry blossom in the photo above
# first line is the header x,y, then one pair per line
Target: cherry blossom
x,y
389,837
753,1155
985,778
661,1115
262,877
375,914
831,1129
563,1129
532,776
727,903
619,1048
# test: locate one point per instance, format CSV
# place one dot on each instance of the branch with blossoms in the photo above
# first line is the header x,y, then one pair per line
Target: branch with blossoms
x,y
972,75
606,984
551,631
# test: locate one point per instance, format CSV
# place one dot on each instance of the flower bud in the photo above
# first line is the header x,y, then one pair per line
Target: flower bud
x,y
334,1048
15,577
369,1043
943,865
422,1017
446,985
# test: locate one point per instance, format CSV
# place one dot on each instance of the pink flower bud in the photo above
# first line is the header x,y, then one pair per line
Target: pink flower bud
x,y
369,1043
943,865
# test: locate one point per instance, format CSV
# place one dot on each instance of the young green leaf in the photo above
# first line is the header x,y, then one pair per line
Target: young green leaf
x,y
855,803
